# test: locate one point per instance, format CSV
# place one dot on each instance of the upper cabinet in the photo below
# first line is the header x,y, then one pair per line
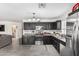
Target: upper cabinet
x,y
46,25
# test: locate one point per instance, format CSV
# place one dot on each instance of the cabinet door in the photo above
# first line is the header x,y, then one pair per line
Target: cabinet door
x,y
57,46
44,40
58,25
56,43
47,40
31,40
24,40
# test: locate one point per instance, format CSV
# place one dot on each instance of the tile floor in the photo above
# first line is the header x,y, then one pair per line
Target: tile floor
x,y
28,50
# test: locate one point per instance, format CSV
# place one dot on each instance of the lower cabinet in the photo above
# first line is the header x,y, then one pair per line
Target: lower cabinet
x,y
49,40
45,40
56,44
29,40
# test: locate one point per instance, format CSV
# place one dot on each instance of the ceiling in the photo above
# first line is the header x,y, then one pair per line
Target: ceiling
x,y
19,11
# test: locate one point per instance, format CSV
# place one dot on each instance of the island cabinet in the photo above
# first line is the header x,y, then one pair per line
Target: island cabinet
x,y
28,40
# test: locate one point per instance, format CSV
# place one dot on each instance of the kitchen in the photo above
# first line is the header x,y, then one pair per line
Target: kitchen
x,y
43,33
36,28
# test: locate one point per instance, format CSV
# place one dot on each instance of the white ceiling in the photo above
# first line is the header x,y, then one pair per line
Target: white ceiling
x,y
19,11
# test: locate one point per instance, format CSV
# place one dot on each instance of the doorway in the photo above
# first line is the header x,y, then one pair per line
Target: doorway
x,y
15,41
14,27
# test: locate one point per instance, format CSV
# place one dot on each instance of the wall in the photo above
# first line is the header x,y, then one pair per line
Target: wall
x,y
8,28
19,30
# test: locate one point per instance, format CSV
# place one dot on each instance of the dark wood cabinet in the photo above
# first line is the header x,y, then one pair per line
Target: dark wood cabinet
x,y
56,44
47,40
47,25
50,40
29,40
